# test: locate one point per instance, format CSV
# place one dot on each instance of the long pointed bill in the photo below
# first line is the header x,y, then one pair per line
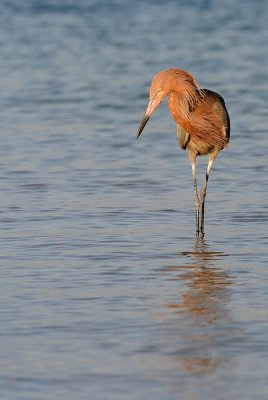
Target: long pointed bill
x,y
153,104
144,121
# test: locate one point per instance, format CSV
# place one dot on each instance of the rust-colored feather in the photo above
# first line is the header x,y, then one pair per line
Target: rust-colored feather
x,y
190,106
203,124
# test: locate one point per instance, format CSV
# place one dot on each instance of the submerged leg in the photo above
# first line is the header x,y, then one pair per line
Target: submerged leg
x,y
204,191
196,198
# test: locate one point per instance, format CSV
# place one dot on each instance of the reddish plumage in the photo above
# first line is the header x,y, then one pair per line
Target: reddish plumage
x,y
190,106
203,125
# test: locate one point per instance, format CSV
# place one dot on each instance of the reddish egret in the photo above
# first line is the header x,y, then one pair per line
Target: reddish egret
x,y
203,124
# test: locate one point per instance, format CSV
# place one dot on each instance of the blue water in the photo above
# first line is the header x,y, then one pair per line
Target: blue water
x,y
106,293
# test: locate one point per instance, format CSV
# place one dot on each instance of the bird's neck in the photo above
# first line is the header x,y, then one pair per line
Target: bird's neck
x,y
182,103
178,111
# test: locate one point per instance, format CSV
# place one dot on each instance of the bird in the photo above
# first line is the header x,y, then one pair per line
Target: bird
x,y
202,123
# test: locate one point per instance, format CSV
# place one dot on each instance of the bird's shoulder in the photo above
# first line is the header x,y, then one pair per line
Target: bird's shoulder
x,y
212,103
214,95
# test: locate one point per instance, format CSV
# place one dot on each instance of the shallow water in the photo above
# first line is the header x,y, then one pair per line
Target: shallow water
x,y
106,293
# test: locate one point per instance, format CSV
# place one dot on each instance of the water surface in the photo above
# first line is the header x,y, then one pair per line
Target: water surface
x,y
106,292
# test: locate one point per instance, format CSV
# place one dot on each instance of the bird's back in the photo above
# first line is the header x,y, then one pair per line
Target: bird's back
x,y
214,101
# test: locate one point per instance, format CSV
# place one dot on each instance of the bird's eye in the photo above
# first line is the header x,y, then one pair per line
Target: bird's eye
x,y
159,90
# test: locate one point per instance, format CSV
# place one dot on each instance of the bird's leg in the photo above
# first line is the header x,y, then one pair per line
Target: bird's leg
x,y
203,192
196,198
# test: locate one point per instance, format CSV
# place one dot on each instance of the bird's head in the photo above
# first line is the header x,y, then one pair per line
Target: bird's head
x,y
158,91
163,83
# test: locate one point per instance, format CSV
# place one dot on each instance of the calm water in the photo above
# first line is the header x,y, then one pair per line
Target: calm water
x,y
106,293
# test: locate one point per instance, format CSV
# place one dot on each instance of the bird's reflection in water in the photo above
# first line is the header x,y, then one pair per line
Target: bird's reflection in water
x,y
204,318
